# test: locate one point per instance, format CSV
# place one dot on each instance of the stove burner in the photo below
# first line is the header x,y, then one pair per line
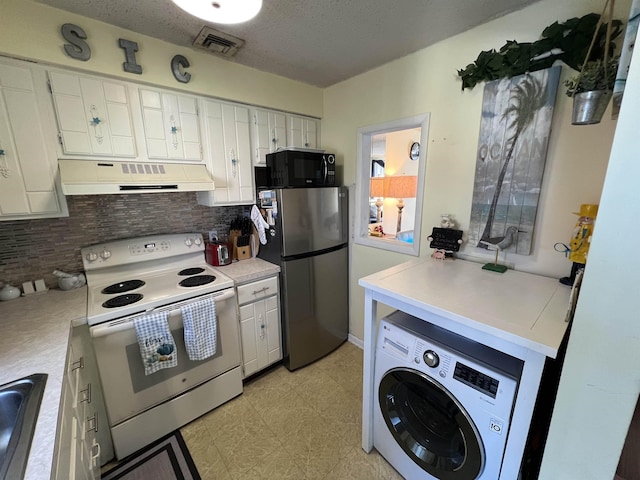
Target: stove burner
x,y
123,286
122,300
191,271
197,280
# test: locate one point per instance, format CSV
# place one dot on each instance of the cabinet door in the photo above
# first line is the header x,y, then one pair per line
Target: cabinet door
x,y
303,132
94,115
249,328
229,153
272,319
28,159
171,125
260,331
268,133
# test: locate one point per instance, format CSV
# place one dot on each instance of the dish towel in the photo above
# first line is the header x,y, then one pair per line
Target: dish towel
x,y
157,347
200,328
260,224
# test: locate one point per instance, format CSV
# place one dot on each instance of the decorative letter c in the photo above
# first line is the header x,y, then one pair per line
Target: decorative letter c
x,y
177,62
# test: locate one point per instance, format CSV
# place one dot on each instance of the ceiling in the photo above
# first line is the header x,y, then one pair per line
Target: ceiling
x,y
319,42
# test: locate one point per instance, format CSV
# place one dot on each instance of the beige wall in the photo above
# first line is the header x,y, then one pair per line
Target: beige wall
x,y
426,81
32,31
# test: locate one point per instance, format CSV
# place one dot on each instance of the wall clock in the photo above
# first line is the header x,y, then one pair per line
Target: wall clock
x,y
414,152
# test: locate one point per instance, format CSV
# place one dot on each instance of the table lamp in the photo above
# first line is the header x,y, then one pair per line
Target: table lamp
x,y
404,186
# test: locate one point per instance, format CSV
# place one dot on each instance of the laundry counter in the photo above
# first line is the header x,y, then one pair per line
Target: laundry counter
x,y
517,313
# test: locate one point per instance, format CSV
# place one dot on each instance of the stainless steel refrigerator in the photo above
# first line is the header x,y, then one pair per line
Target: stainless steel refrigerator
x,y
308,238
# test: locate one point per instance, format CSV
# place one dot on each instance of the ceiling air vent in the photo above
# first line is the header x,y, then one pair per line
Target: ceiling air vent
x,y
218,42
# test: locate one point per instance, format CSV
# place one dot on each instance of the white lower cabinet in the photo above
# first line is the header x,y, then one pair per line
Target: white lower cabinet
x,y
259,324
83,440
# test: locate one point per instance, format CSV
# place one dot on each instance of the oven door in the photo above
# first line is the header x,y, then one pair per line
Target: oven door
x,y
128,391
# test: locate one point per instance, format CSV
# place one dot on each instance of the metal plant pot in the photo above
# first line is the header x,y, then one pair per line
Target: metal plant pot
x,y
588,107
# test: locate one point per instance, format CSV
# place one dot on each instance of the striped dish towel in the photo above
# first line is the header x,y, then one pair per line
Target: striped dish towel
x,y
157,347
200,328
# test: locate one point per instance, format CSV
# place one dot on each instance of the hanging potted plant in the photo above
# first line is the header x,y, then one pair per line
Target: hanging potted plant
x,y
592,90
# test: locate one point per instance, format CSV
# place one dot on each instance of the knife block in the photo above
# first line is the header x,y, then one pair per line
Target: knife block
x,y
242,251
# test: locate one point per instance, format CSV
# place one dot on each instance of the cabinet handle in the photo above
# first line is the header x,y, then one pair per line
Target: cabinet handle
x,y
95,123
274,140
174,132
87,394
262,290
5,171
262,327
234,162
77,364
95,448
93,423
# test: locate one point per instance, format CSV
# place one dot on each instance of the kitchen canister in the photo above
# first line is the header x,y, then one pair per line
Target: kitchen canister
x,y
9,292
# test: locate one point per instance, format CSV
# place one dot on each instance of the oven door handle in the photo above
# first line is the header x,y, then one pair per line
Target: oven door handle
x,y
127,323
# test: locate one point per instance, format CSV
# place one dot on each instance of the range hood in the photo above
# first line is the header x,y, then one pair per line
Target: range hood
x,y
90,177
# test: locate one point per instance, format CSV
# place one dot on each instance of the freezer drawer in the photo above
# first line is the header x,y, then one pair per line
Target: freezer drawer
x,y
315,304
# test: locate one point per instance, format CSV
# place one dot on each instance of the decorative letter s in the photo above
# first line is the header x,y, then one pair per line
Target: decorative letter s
x,y
177,62
79,49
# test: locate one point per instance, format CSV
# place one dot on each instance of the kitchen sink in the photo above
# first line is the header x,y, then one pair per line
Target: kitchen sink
x,y
19,405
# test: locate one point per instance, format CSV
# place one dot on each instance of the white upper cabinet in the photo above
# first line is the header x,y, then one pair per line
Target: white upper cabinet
x,y
228,148
28,159
303,132
171,125
94,115
269,132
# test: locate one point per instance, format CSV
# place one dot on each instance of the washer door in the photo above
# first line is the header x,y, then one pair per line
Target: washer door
x,y
431,425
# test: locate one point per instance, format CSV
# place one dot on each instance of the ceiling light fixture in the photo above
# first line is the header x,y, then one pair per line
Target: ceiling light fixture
x,y
221,11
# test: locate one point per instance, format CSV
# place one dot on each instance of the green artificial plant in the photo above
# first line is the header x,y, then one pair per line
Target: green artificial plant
x,y
593,77
568,42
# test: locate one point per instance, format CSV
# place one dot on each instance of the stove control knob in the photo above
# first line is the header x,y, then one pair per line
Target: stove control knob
x,y
91,256
431,358
198,241
105,254
188,242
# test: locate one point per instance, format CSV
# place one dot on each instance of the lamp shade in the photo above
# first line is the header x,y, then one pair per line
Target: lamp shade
x,y
376,188
221,11
404,186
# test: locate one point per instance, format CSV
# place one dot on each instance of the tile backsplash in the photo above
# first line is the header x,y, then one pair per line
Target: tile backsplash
x,y
32,249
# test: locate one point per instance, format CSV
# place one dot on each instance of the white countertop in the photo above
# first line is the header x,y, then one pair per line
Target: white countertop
x,y
521,308
244,271
34,336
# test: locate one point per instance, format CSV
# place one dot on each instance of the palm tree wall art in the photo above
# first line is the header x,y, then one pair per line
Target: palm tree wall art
x,y
511,155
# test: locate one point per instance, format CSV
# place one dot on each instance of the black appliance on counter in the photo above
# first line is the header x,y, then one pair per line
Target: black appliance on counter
x,y
308,238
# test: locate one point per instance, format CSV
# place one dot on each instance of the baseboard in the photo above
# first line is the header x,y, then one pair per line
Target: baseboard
x,y
356,341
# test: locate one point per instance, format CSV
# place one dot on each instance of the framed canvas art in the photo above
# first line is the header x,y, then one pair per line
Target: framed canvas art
x,y
511,155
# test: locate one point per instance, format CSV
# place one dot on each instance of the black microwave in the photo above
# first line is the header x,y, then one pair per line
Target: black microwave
x,y
301,168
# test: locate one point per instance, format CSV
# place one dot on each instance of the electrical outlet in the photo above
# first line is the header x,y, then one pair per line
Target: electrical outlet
x,y
213,235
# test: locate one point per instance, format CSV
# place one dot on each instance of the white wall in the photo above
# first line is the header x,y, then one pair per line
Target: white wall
x,y
31,30
427,81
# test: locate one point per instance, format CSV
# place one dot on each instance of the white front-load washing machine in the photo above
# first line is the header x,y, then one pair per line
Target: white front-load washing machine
x,y
444,402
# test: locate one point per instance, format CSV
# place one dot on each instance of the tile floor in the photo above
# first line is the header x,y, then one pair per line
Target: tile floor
x,y
302,425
